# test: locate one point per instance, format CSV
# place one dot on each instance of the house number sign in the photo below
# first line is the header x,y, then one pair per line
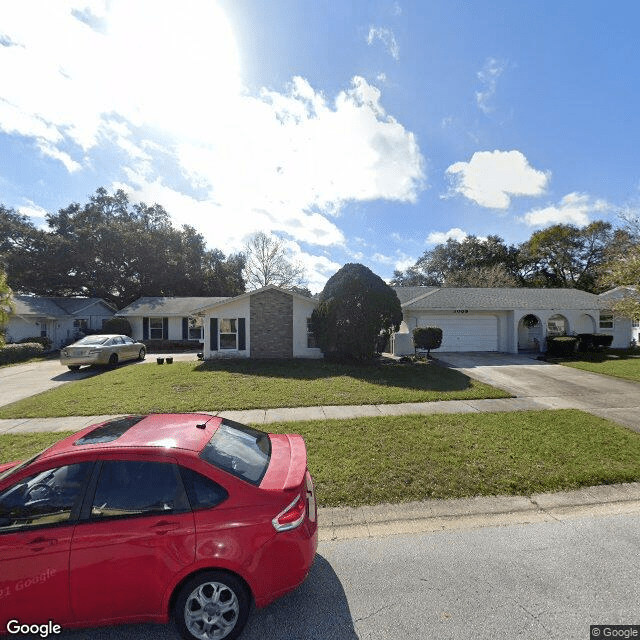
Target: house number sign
x,y
461,311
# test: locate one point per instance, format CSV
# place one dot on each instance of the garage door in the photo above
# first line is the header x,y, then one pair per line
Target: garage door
x,y
465,332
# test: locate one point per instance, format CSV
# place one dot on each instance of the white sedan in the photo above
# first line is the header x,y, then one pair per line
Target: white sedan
x,y
101,349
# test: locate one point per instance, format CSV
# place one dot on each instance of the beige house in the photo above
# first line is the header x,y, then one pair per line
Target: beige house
x,y
265,323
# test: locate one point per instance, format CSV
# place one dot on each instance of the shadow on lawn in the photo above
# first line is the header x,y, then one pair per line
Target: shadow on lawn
x,y
608,355
427,376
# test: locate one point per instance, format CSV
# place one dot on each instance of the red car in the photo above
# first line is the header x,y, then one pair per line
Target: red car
x,y
144,517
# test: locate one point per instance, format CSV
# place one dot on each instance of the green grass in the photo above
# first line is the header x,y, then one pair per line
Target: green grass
x,y
374,460
248,384
620,363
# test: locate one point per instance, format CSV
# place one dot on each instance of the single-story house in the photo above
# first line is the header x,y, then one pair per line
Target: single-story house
x,y
61,320
272,322
625,331
266,323
495,319
168,318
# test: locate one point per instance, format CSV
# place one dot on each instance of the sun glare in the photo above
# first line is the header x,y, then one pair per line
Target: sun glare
x,y
179,59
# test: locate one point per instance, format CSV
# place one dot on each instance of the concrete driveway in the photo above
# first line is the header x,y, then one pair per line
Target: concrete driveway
x,y
552,386
23,380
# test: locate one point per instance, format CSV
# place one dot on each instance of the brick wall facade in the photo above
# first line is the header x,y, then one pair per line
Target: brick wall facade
x,y
271,325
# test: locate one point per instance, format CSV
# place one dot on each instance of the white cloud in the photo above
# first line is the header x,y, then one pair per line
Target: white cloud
x,y
574,208
488,77
491,178
157,90
387,37
32,210
439,237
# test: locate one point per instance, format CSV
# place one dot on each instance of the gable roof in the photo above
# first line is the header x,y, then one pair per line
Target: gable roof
x,y
169,306
54,307
616,295
498,299
248,294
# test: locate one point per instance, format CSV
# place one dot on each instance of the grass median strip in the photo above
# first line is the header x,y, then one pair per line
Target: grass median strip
x,y
619,363
248,384
398,459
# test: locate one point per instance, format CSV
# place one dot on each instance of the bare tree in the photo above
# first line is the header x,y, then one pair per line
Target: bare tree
x,y
268,262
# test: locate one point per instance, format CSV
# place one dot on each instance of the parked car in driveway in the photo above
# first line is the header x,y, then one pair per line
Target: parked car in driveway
x,y
101,349
143,517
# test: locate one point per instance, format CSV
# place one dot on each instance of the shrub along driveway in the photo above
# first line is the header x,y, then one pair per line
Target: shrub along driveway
x,y
553,386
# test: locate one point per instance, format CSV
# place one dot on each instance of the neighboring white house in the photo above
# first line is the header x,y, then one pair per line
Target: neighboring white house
x,y
624,330
494,319
265,323
59,319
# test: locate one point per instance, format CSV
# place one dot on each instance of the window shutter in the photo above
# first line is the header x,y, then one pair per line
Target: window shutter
x,y
165,328
185,328
241,334
145,328
213,334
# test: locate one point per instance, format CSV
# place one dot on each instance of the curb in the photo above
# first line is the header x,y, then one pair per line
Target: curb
x,y
345,523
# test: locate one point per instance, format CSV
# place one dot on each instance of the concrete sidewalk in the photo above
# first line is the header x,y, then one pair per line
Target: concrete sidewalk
x,y
292,414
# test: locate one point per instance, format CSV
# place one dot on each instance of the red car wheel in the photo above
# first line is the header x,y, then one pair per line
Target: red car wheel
x,y
213,605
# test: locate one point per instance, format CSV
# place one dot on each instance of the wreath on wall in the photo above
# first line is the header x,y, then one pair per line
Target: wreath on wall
x,y
530,321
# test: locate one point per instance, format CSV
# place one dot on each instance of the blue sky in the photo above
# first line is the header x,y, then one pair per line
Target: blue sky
x,y
360,131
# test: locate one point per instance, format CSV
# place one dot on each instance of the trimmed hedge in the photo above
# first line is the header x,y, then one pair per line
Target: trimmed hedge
x,y
164,346
117,325
593,341
20,352
561,345
43,340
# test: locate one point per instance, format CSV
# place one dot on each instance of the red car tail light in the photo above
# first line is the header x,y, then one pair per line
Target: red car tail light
x,y
291,517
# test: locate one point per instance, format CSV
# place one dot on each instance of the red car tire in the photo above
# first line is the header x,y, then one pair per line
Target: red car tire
x,y
212,604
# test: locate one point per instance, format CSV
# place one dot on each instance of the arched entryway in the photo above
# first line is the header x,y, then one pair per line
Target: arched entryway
x,y
557,325
585,324
529,333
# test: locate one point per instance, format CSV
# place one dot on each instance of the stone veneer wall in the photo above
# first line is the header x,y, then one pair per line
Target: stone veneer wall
x,y
271,326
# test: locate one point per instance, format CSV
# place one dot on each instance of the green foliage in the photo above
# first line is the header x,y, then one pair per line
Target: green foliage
x,y
558,256
11,353
117,325
112,249
6,306
45,341
427,338
561,345
355,306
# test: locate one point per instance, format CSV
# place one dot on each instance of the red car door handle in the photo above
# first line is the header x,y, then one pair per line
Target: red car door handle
x,y
40,541
164,526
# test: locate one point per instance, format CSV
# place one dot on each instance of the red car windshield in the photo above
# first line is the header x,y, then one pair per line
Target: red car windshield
x,y
240,450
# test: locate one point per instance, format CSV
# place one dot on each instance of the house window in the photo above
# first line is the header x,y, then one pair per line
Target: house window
x,y
228,333
155,328
311,339
195,328
80,324
635,323
556,326
606,319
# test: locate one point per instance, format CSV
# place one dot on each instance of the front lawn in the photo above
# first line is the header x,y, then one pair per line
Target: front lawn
x,y
249,384
620,363
398,459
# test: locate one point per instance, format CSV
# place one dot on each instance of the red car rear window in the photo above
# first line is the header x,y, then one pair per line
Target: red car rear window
x,y
241,450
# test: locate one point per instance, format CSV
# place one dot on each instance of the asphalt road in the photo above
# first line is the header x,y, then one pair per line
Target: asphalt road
x,y
533,581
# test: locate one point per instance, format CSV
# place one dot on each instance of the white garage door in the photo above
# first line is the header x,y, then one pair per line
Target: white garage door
x,y
465,332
